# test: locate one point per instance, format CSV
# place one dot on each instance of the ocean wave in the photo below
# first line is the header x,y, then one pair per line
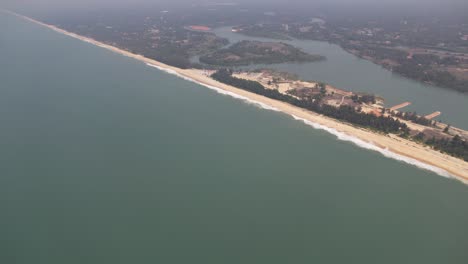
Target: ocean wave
x,y
384,151
340,135
218,90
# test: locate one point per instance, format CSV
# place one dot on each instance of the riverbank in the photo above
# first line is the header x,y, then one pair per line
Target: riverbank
x,y
410,152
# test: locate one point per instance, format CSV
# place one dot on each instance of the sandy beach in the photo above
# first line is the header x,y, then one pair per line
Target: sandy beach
x,y
389,145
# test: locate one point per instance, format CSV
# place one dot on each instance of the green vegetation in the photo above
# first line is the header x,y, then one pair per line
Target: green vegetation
x,y
365,98
256,52
169,43
446,129
435,76
428,68
415,118
455,146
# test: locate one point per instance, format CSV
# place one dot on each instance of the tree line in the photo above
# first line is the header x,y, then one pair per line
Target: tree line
x,y
414,117
455,146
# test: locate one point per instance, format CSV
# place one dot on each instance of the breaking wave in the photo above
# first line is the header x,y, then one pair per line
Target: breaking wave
x,y
340,135
384,151
218,90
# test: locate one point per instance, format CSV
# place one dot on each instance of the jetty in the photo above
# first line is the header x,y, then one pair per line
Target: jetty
x,y
396,107
435,114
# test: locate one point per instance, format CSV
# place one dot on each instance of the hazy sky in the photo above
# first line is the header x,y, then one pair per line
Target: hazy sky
x,y
458,5
64,3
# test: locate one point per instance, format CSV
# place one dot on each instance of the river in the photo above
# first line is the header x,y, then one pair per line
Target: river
x,y
346,71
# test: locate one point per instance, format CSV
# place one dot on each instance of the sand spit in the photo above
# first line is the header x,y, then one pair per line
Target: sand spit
x,y
388,145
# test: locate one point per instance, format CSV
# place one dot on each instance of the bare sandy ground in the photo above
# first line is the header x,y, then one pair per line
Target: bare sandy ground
x,y
455,167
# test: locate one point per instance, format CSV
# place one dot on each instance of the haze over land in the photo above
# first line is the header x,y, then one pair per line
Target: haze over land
x,y
366,6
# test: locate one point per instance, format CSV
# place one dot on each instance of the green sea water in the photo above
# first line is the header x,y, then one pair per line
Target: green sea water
x,y
106,160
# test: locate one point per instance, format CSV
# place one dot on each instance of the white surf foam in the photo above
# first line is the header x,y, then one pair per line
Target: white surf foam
x,y
366,145
219,90
340,135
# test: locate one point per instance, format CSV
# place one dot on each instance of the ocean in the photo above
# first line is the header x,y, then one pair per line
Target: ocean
x,y
105,159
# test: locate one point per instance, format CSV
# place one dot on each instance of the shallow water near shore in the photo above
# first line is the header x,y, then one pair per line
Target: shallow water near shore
x,y
107,160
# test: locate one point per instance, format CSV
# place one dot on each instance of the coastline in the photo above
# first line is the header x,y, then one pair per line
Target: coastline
x,y
388,145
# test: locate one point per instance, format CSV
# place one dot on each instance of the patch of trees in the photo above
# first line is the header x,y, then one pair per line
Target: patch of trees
x,y
422,67
345,113
455,146
366,98
172,44
413,117
255,52
171,57
437,77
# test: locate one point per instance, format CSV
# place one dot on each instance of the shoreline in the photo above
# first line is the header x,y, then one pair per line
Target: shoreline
x,y
388,145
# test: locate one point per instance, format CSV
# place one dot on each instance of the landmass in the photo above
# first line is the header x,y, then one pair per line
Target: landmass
x,y
431,49
434,51
255,52
433,145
